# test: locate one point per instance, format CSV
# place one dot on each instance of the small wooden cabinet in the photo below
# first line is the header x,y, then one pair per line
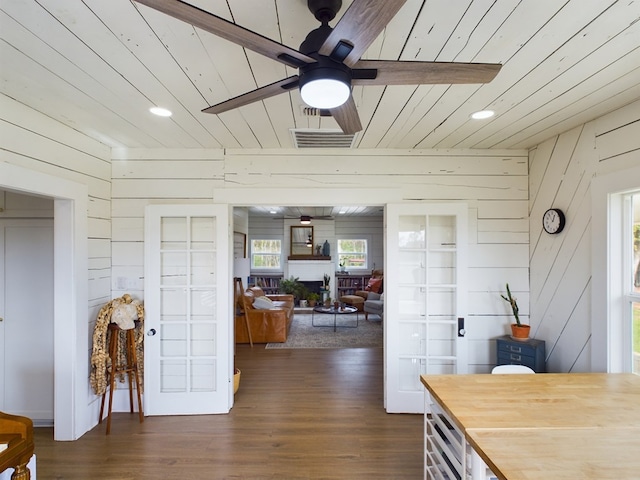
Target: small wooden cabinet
x,y
514,352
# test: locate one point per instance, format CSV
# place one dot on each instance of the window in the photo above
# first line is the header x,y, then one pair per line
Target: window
x,y
353,253
266,254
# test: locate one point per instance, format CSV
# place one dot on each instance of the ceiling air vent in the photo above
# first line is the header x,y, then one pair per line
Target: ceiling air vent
x,y
314,138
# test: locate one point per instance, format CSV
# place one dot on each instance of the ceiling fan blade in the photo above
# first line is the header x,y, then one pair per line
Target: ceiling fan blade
x,y
347,117
418,73
229,31
360,26
255,95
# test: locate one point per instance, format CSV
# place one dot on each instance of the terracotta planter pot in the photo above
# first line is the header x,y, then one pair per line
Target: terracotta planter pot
x,y
520,331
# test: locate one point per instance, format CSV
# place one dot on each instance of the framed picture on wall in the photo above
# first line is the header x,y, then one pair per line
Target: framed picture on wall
x,y
239,245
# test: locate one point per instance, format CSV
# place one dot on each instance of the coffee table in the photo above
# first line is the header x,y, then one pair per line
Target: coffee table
x,y
346,310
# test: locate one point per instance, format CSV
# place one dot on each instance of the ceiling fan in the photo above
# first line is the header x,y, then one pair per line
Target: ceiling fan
x,y
306,219
328,60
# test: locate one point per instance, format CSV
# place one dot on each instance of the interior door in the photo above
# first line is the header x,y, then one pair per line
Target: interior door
x,y
188,367
424,298
26,318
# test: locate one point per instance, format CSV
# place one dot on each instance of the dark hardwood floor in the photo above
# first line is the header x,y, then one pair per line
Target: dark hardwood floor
x,y
299,414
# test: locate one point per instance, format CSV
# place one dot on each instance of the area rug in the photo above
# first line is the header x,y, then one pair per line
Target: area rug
x,y
304,335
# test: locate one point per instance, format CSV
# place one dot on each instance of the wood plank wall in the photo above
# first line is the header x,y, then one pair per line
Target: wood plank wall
x,y
493,183
33,141
561,171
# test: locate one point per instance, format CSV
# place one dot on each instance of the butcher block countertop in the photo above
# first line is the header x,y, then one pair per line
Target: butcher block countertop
x,y
560,426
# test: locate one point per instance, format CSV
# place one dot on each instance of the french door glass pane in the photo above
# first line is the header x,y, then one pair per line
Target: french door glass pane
x,y
412,231
203,375
203,233
442,231
173,305
203,268
412,267
173,233
173,340
173,268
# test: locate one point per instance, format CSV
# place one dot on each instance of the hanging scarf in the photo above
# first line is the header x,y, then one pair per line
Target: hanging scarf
x,y
100,361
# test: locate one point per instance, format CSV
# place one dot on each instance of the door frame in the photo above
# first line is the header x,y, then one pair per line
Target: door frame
x,y
245,197
71,326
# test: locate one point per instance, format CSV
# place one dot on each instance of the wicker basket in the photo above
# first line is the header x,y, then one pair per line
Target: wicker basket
x,y
236,380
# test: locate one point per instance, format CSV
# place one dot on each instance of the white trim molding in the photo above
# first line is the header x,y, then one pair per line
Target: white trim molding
x,y
71,338
607,324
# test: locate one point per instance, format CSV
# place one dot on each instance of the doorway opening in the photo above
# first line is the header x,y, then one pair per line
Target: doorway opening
x,y
70,292
26,331
262,224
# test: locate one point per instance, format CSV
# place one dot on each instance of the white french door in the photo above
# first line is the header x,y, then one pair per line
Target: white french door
x,y
188,358
424,299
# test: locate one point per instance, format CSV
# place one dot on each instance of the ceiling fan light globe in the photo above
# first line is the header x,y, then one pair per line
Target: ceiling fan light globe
x,y
325,93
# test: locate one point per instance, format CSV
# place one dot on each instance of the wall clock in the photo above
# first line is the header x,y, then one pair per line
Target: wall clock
x,y
553,220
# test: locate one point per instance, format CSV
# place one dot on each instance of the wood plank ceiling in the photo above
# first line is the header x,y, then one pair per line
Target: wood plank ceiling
x,y
99,65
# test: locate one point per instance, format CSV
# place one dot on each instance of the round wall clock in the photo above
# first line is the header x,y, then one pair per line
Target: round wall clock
x,y
553,220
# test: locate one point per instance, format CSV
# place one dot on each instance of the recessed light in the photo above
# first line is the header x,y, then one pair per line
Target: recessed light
x,y
161,112
342,212
481,115
272,212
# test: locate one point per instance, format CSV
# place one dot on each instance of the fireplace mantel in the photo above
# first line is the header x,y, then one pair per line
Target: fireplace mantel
x,y
308,257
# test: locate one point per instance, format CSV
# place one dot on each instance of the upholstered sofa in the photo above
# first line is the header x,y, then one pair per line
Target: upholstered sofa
x,y
269,320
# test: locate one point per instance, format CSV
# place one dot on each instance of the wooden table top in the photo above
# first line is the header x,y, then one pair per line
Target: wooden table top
x,y
560,453
558,426
545,400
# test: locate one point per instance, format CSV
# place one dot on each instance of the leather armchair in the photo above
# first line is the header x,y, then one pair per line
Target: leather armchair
x,y
267,325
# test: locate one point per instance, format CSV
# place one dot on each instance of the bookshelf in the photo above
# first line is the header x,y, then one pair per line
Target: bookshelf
x,y
349,284
269,283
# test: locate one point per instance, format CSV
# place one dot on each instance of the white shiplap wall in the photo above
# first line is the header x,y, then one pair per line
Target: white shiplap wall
x,y
561,171
35,142
30,140
493,184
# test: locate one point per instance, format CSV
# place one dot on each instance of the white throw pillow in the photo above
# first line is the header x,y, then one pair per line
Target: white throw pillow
x,y
263,303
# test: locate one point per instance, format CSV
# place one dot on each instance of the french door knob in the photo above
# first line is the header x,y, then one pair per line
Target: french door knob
x,y
151,332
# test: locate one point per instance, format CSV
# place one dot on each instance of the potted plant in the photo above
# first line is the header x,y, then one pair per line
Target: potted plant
x,y
313,298
290,286
327,279
518,329
293,286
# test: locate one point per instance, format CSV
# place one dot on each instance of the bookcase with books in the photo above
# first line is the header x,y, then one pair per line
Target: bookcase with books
x,y
348,284
270,284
